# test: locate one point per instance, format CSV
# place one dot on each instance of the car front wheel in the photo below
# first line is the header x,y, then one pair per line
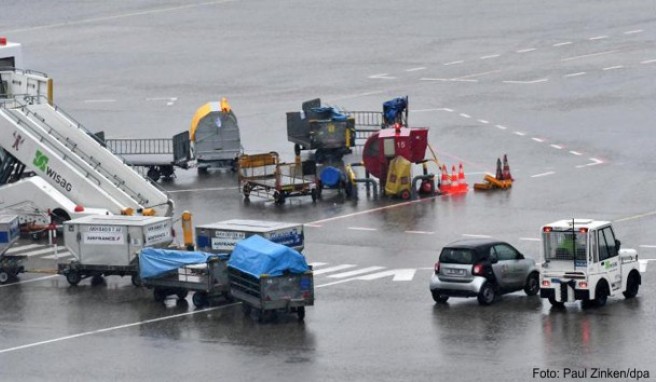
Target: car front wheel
x,y
532,286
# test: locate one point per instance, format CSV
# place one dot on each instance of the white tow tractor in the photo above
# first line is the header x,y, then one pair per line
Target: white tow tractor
x,y
583,261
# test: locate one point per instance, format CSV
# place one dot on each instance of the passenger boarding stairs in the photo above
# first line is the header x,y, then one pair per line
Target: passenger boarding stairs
x,y
60,150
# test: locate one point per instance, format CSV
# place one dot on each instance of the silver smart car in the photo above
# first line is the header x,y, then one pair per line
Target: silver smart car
x,y
482,268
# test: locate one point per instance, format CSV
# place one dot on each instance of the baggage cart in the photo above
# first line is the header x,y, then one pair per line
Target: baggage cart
x,y
157,156
110,245
10,266
269,278
221,237
174,272
264,176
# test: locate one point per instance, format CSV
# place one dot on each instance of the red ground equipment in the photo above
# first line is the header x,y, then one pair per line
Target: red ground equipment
x,y
398,141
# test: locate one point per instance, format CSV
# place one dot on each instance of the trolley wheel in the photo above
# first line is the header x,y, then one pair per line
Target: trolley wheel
x,y
313,193
405,194
427,187
167,171
182,294
278,197
4,277
159,295
73,277
136,280
153,174
246,190
199,299
202,170
246,309
300,312
97,279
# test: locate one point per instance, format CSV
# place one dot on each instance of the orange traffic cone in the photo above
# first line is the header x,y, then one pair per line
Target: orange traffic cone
x,y
506,169
499,175
455,184
445,181
461,179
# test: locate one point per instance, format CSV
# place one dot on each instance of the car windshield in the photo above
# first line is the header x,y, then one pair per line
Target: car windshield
x,y
457,256
562,245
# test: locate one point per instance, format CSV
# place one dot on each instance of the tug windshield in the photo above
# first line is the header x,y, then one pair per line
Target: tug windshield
x,y
565,245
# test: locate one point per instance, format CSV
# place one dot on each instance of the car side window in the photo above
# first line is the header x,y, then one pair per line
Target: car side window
x,y
609,243
505,252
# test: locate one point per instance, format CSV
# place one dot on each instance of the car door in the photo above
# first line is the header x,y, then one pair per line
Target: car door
x,y
513,266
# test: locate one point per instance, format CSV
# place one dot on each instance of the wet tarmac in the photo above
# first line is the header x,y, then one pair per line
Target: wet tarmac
x,y
564,90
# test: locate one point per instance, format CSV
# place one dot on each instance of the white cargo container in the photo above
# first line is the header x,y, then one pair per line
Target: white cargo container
x,y
221,237
110,245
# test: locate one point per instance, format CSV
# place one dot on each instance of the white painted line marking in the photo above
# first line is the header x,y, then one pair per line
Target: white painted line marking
x,y
108,100
519,133
501,127
415,69
362,229
588,55
447,79
634,31
557,147
350,96
597,38
421,232
474,235
477,74
454,62
381,76
23,248
356,272
543,174
203,189
334,269
648,61
574,74
530,239
113,328
372,210
595,162
647,246
425,110
527,82
540,140
483,121
490,56
465,115
318,264
314,225
613,67
525,50
563,43
120,16
28,281
575,153
399,275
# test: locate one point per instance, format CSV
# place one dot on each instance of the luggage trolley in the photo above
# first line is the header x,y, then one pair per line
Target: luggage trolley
x,y
264,176
175,272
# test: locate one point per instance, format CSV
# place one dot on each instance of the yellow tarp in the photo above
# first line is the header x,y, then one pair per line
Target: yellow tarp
x,y
205,110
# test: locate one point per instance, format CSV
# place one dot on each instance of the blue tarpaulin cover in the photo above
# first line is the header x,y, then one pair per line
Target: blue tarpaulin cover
x,y
259,256
393,109
335,114
157,261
